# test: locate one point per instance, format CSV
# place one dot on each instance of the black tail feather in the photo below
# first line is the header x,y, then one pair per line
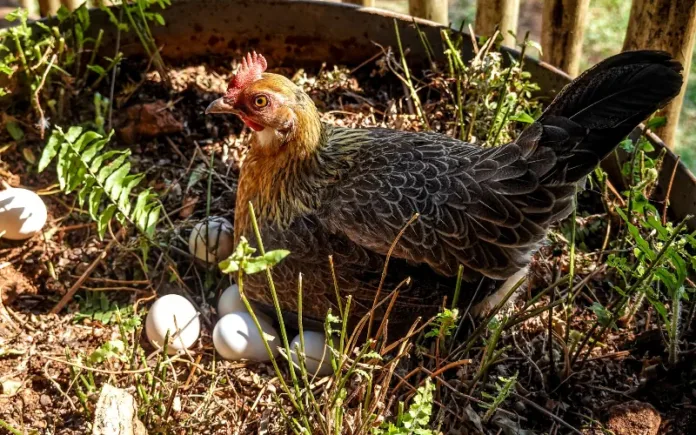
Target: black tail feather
x,y
603,105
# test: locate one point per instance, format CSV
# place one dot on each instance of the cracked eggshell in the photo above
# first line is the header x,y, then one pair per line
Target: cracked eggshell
x,y
236,337
231,302
212,240
160,319
22,214
317,353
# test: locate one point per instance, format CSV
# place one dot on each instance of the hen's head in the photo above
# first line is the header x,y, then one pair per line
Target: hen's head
x,y
267,103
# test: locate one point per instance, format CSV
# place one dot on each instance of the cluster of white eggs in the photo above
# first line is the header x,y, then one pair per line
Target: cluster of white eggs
x,y
235,336
22,213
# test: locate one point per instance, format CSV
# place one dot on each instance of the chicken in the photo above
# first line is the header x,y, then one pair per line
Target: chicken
x,y
320,190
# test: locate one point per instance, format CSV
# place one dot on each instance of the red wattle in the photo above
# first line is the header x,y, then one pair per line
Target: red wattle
x,y
252,125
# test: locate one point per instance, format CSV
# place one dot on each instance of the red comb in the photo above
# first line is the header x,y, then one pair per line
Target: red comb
x,y
253,65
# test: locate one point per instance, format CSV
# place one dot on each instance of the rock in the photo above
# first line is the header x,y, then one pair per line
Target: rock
x,y
45,400
116,413
634,418
149,120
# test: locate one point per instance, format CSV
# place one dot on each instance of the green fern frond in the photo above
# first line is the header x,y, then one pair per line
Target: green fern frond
x,y
102,179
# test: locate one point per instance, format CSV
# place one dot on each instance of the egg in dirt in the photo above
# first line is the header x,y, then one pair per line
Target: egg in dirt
x,y
172,313
317,355
236,337
22,214
212,240
231,302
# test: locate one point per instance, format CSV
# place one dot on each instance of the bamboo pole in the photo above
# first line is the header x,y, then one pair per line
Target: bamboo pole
x,y
433,10
48,7
563,26
668,25
365,3
501,14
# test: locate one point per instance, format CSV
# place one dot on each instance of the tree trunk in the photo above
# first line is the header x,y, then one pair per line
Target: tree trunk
x,y
668,25
48,7
563,27
497,13
433,10
366,3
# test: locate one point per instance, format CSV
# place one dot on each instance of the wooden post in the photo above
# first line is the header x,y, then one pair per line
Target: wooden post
x,y
365,3
563,26
497,13
71,5
433,10
48,7
668,25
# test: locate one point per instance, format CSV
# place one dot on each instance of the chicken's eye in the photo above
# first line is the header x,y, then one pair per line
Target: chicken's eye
x,y
261,101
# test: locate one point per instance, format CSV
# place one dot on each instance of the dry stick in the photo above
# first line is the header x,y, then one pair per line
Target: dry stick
x,y
669,191
386,266
42,119
112,86
67,297
544,411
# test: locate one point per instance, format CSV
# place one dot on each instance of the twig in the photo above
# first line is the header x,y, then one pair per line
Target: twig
x,y
57,386
386,266
112,87
67,297
669,191
541,409
42,119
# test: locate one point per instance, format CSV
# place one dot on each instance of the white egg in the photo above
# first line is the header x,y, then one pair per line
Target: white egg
x,y
236,337
22,214
317,354
160,319
231,302
212,240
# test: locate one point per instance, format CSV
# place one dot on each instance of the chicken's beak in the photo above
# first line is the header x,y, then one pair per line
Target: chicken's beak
x,y
220,106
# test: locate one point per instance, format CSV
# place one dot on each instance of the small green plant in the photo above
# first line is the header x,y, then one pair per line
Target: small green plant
x,y
417,419
502,391
95,305
139,16
100,178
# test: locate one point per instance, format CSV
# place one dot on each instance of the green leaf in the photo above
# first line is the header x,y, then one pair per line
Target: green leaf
x,y
49,151
63,13
159,19
522,117
85,190
603,315
73,133
92,150
94,202
14,130
98,161
152,219
655,122
113,184
104,219
17,14
84,140
274,257
97,69
111,167
627,145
